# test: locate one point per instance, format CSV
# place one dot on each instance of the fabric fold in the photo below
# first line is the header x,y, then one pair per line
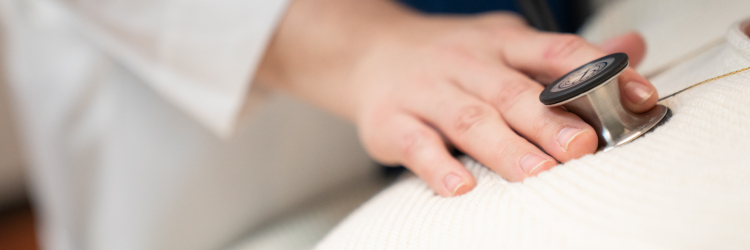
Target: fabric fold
x,y
199,55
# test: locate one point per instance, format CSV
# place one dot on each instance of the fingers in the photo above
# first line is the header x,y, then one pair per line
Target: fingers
x,y
404,139
478,130
561,134
637,94
634,91
548,56
630,43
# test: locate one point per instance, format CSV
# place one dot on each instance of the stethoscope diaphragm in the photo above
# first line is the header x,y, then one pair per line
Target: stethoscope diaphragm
x,y
592,92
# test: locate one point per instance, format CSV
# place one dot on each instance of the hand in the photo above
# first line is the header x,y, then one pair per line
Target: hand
x,y
416,85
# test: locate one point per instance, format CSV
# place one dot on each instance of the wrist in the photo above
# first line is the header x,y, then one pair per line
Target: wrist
x,y
319,43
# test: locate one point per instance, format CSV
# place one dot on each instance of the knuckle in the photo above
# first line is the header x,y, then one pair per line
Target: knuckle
x,y
498,30
544,123
546,126
509,94
373,129
418,82
457,53
551,118
517,146
377,148
562,47
411,142
470,116
509,146
512,17
503,19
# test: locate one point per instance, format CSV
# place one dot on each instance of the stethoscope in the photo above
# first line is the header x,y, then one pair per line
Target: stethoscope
x,y
592,92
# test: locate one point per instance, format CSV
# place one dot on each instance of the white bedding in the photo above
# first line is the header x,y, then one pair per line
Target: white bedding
x,y
683,186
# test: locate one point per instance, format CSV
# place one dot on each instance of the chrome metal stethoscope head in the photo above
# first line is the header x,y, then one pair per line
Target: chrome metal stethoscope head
x,y
592,92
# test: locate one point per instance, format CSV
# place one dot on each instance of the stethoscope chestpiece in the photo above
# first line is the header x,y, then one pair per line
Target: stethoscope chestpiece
x,y
593,93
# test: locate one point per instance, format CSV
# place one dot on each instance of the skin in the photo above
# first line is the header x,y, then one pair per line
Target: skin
x,y
416,85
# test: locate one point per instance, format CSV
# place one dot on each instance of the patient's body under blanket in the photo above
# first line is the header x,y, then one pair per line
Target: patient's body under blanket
x,y
683,186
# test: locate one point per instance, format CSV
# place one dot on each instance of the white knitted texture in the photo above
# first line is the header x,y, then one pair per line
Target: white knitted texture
x,y
686,185
674,30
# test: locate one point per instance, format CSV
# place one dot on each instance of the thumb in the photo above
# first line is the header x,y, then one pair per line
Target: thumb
x,y
631,43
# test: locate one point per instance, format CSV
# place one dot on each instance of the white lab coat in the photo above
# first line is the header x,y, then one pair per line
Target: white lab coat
x,y
131,115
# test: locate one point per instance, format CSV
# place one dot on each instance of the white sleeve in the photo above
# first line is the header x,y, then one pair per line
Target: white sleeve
x,y
198,54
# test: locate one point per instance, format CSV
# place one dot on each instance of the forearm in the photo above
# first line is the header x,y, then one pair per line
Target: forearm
x,y
320,42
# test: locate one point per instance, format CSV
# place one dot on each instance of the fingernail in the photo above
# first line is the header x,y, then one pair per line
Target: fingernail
x,y
567,135
531,162
638,92
456,185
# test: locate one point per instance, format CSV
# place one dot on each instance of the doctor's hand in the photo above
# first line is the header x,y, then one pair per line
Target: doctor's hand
x,y
416,85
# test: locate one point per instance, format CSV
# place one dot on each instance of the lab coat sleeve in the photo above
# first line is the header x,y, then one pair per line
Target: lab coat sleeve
x,y
198,54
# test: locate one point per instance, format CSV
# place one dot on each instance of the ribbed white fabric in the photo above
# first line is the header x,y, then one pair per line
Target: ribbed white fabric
x,y
674,30
303,227
683,186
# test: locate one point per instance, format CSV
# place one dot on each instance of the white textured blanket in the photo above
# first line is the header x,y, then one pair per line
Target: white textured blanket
x,y
684,186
